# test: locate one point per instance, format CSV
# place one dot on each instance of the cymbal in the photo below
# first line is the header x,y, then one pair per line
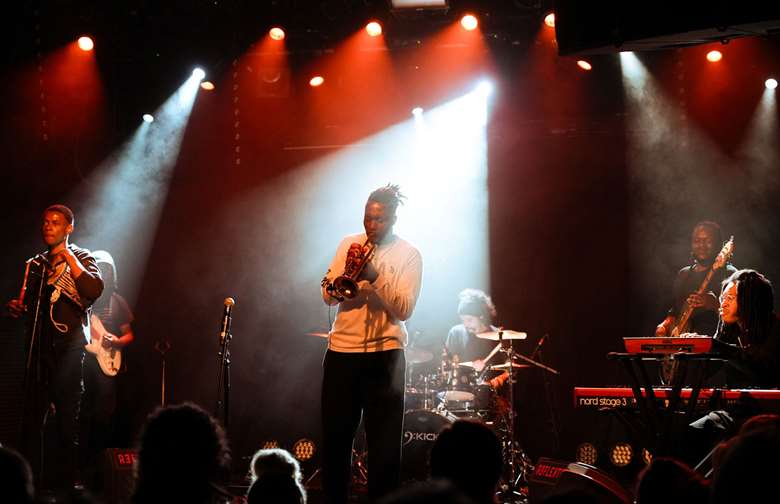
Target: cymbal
x,y
505,334
317,334
418,355
505,365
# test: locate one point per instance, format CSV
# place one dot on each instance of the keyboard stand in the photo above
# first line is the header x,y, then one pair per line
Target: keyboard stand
x,y
657,433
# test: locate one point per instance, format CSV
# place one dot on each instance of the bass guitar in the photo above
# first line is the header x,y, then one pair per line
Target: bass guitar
x,y
668,366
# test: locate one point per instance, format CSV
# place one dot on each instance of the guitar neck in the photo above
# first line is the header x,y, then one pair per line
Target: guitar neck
x,y
682,323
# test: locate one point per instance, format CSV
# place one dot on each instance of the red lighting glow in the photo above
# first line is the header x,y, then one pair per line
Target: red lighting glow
x,y
469,22
316,81
549,20
584,65
86,43
276,33
714,56
374,29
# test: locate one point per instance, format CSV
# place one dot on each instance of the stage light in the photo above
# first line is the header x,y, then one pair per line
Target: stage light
x,y
207,85
199,73
584,65
469,22
304,449
148,118
276,33
269,444
374,29
647,457
587,453
485,88
620,454
417,111
771,83
549,20
86,43
714,56
316,81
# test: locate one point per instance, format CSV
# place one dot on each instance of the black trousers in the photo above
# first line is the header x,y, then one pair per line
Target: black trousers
x,y
67,389
371,384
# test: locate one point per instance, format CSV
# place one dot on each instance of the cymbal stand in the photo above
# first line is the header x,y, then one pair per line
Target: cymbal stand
x,y
509,489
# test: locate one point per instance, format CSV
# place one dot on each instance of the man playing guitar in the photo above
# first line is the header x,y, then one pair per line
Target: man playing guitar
x,y
111,333
706,242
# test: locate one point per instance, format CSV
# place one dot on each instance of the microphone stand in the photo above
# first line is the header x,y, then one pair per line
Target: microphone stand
x,y
162,346
223,378
32,376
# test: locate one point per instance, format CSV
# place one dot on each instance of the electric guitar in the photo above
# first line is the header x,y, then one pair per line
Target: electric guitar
x,y
109,359
723,256
669,367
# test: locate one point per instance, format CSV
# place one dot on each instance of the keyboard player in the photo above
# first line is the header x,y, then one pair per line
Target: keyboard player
x,y
748,332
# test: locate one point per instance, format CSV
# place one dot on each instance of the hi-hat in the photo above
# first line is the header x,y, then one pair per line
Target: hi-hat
x,y
418,355
505,334
317,334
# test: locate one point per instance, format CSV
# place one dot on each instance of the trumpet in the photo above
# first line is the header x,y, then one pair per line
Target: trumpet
x,y
345,286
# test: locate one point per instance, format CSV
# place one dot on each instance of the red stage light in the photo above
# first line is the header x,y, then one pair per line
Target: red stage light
x,y
549,20
86,43
276,33
584,65
374,29
714,56
469,22
317,80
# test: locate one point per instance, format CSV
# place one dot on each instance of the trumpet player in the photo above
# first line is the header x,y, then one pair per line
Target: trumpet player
x,y
364,365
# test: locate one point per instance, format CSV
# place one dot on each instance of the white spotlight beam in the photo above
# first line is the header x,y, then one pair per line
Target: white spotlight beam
x,y
124,200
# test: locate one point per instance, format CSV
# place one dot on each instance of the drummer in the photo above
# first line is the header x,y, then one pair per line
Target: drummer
x,y
477,312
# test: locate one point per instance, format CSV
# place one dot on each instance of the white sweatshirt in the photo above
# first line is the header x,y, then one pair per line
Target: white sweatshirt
x,y
373,321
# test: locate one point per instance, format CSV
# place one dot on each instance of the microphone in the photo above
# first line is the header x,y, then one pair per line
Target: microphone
x,y
38,259
538,345
227,316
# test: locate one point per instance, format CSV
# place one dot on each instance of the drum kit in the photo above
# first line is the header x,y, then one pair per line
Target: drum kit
x,y
437,396
465,390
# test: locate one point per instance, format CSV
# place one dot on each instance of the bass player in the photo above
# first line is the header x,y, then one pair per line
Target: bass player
x,y
706,242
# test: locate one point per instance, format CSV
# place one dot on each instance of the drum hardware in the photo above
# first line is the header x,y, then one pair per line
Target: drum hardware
x,y
502,334
505,365
418,356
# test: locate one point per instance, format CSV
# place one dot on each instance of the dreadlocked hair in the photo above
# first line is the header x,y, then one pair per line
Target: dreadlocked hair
x,y
390,196
755,304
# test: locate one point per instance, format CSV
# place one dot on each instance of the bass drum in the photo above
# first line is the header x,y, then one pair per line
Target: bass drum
x,y
421,428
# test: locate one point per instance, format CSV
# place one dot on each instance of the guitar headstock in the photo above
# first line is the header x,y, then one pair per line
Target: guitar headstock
x,y
725,254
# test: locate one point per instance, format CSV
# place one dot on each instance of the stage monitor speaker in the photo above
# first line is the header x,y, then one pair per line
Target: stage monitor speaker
x,y
609,26
555,477
118,474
